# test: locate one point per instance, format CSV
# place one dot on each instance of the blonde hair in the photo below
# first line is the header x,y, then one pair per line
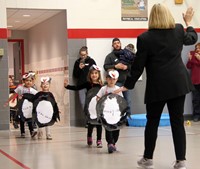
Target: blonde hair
x,y
161,17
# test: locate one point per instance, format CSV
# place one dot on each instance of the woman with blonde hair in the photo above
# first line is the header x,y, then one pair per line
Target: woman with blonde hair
x,y
159,51
161,18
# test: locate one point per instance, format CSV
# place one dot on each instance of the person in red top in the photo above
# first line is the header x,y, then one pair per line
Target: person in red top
x,y
194,65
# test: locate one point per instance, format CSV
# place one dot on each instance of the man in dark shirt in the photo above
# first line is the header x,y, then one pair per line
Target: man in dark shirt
x,y
112,61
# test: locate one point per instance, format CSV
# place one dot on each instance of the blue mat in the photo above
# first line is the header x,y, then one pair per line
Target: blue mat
x,y
139,120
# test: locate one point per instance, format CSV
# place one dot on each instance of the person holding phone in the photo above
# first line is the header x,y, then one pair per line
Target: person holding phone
x,y
80,72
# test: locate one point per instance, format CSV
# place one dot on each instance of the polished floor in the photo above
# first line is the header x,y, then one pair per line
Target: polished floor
x,y
68,150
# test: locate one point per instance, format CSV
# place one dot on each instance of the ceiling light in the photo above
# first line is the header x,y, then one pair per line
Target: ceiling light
x,y
26,15
17,21
9,26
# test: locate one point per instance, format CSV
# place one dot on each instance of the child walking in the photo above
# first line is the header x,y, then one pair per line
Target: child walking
x,y
111,79
126,55
94,81
45,93
26,87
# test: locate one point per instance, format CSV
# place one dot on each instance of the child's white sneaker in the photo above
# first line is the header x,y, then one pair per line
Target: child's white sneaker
x,y
40,134
49,137
145,163
180,165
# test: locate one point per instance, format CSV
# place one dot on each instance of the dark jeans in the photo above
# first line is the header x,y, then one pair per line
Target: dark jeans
x,y
22,127
12,115
176,110
90,130
196,100
112,136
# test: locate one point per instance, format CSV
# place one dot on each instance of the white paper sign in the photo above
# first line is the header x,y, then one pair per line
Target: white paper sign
x,y
27,109
92,108
111,111
44,111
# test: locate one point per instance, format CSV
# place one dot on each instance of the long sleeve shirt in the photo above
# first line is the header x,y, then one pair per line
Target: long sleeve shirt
x,y
194,66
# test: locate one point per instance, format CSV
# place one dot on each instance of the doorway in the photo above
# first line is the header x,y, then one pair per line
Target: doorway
x,y
16,58
43,49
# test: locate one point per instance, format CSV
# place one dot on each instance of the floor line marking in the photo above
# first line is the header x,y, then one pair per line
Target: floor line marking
x,y
14,160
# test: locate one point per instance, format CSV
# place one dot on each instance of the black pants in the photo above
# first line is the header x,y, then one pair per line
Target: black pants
x,y
12,115
22,127
112,136
90,130
196,100
176,110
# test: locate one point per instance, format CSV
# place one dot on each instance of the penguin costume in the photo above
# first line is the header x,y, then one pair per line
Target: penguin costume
x,y
45,108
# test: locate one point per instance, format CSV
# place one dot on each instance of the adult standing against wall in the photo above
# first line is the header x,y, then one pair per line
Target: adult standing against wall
x,y
80,71
194,65
168,81
112,61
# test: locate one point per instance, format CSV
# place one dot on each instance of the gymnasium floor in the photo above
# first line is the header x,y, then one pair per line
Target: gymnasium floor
x,y
68,150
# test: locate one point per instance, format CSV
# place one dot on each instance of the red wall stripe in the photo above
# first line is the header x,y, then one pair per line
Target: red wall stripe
x,y
52,70
94,33
106,33
3,33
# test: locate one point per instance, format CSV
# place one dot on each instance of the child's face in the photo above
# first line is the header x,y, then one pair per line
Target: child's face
x,y
111,82
28,82
45,86
10,81
94,75
197,49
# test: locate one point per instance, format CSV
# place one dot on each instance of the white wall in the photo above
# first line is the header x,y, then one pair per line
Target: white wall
x,y
3,18
47,51
98,49
48,43
99,13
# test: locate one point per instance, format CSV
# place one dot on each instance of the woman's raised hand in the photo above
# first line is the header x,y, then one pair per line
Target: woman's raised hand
x,y
188,15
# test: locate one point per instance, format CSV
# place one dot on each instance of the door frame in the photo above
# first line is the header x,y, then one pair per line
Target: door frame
x,y
21,42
